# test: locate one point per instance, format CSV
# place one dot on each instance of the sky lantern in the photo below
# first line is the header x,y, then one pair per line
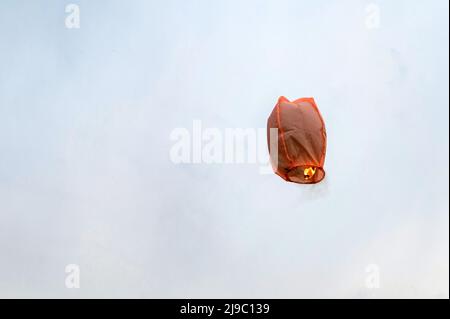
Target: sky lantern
x,y
301,140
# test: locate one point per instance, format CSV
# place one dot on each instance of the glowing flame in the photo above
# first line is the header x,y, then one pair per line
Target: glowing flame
x,y
309,172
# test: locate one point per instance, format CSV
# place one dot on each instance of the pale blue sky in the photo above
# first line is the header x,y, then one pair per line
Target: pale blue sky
x,y
85,175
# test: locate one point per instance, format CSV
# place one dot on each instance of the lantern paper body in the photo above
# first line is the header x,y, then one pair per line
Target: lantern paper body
x,y
302,141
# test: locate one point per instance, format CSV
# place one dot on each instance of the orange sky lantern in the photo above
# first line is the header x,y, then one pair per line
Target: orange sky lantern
x,y
302,140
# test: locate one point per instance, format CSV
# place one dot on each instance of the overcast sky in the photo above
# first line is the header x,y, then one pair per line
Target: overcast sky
x,y
86,178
